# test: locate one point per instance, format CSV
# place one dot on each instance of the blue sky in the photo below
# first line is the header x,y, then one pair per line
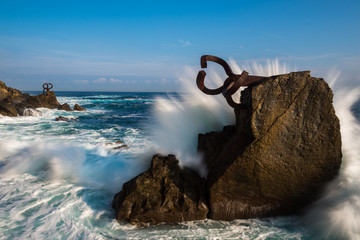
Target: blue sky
x,y
144,45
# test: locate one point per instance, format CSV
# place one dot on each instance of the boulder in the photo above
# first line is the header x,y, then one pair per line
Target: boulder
x,y
164,193
65,107
285,146
77,107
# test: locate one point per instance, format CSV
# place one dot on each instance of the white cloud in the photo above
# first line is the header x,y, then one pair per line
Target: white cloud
x,y
114,80
100,80
81,81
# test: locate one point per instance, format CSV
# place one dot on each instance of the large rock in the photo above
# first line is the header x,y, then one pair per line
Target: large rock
x,y
165,193
285,145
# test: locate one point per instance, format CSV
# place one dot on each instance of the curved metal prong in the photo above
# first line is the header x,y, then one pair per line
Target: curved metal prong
x,y
231,102
231,84
200,83
206,58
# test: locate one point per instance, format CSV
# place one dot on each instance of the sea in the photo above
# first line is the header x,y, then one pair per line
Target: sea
x,y
58,179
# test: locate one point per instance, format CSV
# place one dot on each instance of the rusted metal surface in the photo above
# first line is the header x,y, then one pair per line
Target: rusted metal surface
x,y
231,84
47,87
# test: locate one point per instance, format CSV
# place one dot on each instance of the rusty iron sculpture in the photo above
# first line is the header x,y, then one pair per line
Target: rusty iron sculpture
x,y
231,84
47,87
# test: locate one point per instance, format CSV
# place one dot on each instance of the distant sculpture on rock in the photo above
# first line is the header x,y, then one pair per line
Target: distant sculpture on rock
x,y
14,103
47,87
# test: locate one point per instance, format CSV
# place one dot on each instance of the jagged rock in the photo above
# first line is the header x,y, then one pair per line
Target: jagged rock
x,y
65,107
285,146
165,193
77,107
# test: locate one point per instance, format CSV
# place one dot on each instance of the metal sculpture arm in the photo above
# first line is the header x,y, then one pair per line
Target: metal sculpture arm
x,y
231,84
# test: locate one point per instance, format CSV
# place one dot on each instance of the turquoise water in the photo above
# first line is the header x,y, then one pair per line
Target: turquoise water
x,y
57,179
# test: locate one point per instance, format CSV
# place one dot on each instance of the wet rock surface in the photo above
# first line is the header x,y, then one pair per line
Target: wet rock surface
x,y
285,146
164,193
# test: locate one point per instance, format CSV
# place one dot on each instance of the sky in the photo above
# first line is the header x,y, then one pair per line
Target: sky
x,y
145,45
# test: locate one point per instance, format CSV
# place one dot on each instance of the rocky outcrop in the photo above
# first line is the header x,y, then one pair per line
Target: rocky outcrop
x,y
15,103
164,193
77,107
285,146
65,107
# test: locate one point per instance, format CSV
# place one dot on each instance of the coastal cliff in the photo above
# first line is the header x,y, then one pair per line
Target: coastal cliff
x,y
284,147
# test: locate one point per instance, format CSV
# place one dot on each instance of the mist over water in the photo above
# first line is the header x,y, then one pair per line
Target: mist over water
x,y
57,179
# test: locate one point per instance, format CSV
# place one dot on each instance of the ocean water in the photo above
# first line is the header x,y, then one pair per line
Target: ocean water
x,y
58,179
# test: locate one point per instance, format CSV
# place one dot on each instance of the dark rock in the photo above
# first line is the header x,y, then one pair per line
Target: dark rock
x,y
165,193
65,119
77,107
65,107
285,146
